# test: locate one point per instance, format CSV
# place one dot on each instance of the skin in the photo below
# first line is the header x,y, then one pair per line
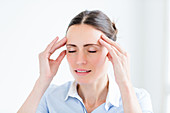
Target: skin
x,y
48,69
92,57
120,61
97,80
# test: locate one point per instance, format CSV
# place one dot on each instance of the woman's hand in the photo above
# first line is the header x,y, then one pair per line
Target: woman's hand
x,y
49,67
119,59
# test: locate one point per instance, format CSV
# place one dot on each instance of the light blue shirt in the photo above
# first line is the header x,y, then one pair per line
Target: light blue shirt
x,y
65,99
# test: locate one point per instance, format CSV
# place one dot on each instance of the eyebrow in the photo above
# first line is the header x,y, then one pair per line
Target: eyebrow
x,y
83,45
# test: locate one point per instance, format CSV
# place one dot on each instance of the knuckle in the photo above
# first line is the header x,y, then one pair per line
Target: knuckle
x,y
123,58
42,54
48,45
126,54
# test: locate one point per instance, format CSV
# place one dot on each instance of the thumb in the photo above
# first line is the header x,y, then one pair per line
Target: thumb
x,y
60,57
109,56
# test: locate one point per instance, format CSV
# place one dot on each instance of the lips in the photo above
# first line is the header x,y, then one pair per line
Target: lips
x,y
82,72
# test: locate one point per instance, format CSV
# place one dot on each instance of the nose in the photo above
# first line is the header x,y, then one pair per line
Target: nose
x,y
81,58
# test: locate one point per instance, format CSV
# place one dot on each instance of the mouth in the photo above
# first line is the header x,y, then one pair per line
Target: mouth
x,y
82,72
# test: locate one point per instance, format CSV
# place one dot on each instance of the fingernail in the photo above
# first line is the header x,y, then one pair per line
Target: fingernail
x,y
103,35
100,40
56,38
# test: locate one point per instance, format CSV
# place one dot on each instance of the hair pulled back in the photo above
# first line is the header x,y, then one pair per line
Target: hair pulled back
x,y
98,20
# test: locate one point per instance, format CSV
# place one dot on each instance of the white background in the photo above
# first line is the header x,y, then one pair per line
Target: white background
x,y
28,26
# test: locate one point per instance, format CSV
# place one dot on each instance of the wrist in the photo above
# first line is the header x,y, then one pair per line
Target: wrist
x,y
124,84
44,81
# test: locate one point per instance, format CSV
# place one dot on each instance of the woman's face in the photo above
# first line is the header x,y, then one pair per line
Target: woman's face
x,y
86,57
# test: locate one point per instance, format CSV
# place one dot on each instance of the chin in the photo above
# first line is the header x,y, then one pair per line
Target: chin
x,y
83,81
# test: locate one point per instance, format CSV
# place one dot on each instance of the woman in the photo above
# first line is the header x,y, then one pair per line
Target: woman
x,y
90,41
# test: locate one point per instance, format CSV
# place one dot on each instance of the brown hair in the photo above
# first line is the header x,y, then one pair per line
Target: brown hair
x,y
98,20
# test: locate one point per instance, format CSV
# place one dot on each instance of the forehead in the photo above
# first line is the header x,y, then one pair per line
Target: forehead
x,y
83,34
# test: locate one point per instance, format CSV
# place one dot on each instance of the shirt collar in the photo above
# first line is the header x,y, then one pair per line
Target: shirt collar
x,y
73,92
112,98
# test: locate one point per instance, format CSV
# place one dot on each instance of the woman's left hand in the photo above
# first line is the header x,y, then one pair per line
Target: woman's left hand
x,y
120,61
119,58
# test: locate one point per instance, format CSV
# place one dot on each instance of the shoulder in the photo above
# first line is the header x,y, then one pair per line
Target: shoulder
x,y
58,89
141,93
54,95
144,99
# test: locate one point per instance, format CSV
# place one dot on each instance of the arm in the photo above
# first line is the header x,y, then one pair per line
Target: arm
x,y
120,61
31,103
48,69
129,98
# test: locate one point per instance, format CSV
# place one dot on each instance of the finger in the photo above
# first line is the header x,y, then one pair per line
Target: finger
x,y
51,44
117,52
116,45
112,47
60,57
128,62
109,56
109,48
111,59
58,45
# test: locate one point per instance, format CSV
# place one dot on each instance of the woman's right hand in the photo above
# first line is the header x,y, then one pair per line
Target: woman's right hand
x,y
49,67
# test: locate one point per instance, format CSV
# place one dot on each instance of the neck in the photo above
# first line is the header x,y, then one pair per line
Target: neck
x,y
94,93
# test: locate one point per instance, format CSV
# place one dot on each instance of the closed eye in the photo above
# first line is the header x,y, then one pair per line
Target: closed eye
x,y
88,51
92,51
71,51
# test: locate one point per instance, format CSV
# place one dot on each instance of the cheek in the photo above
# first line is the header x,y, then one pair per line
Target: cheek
x,y
70,59
100,65
98,59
